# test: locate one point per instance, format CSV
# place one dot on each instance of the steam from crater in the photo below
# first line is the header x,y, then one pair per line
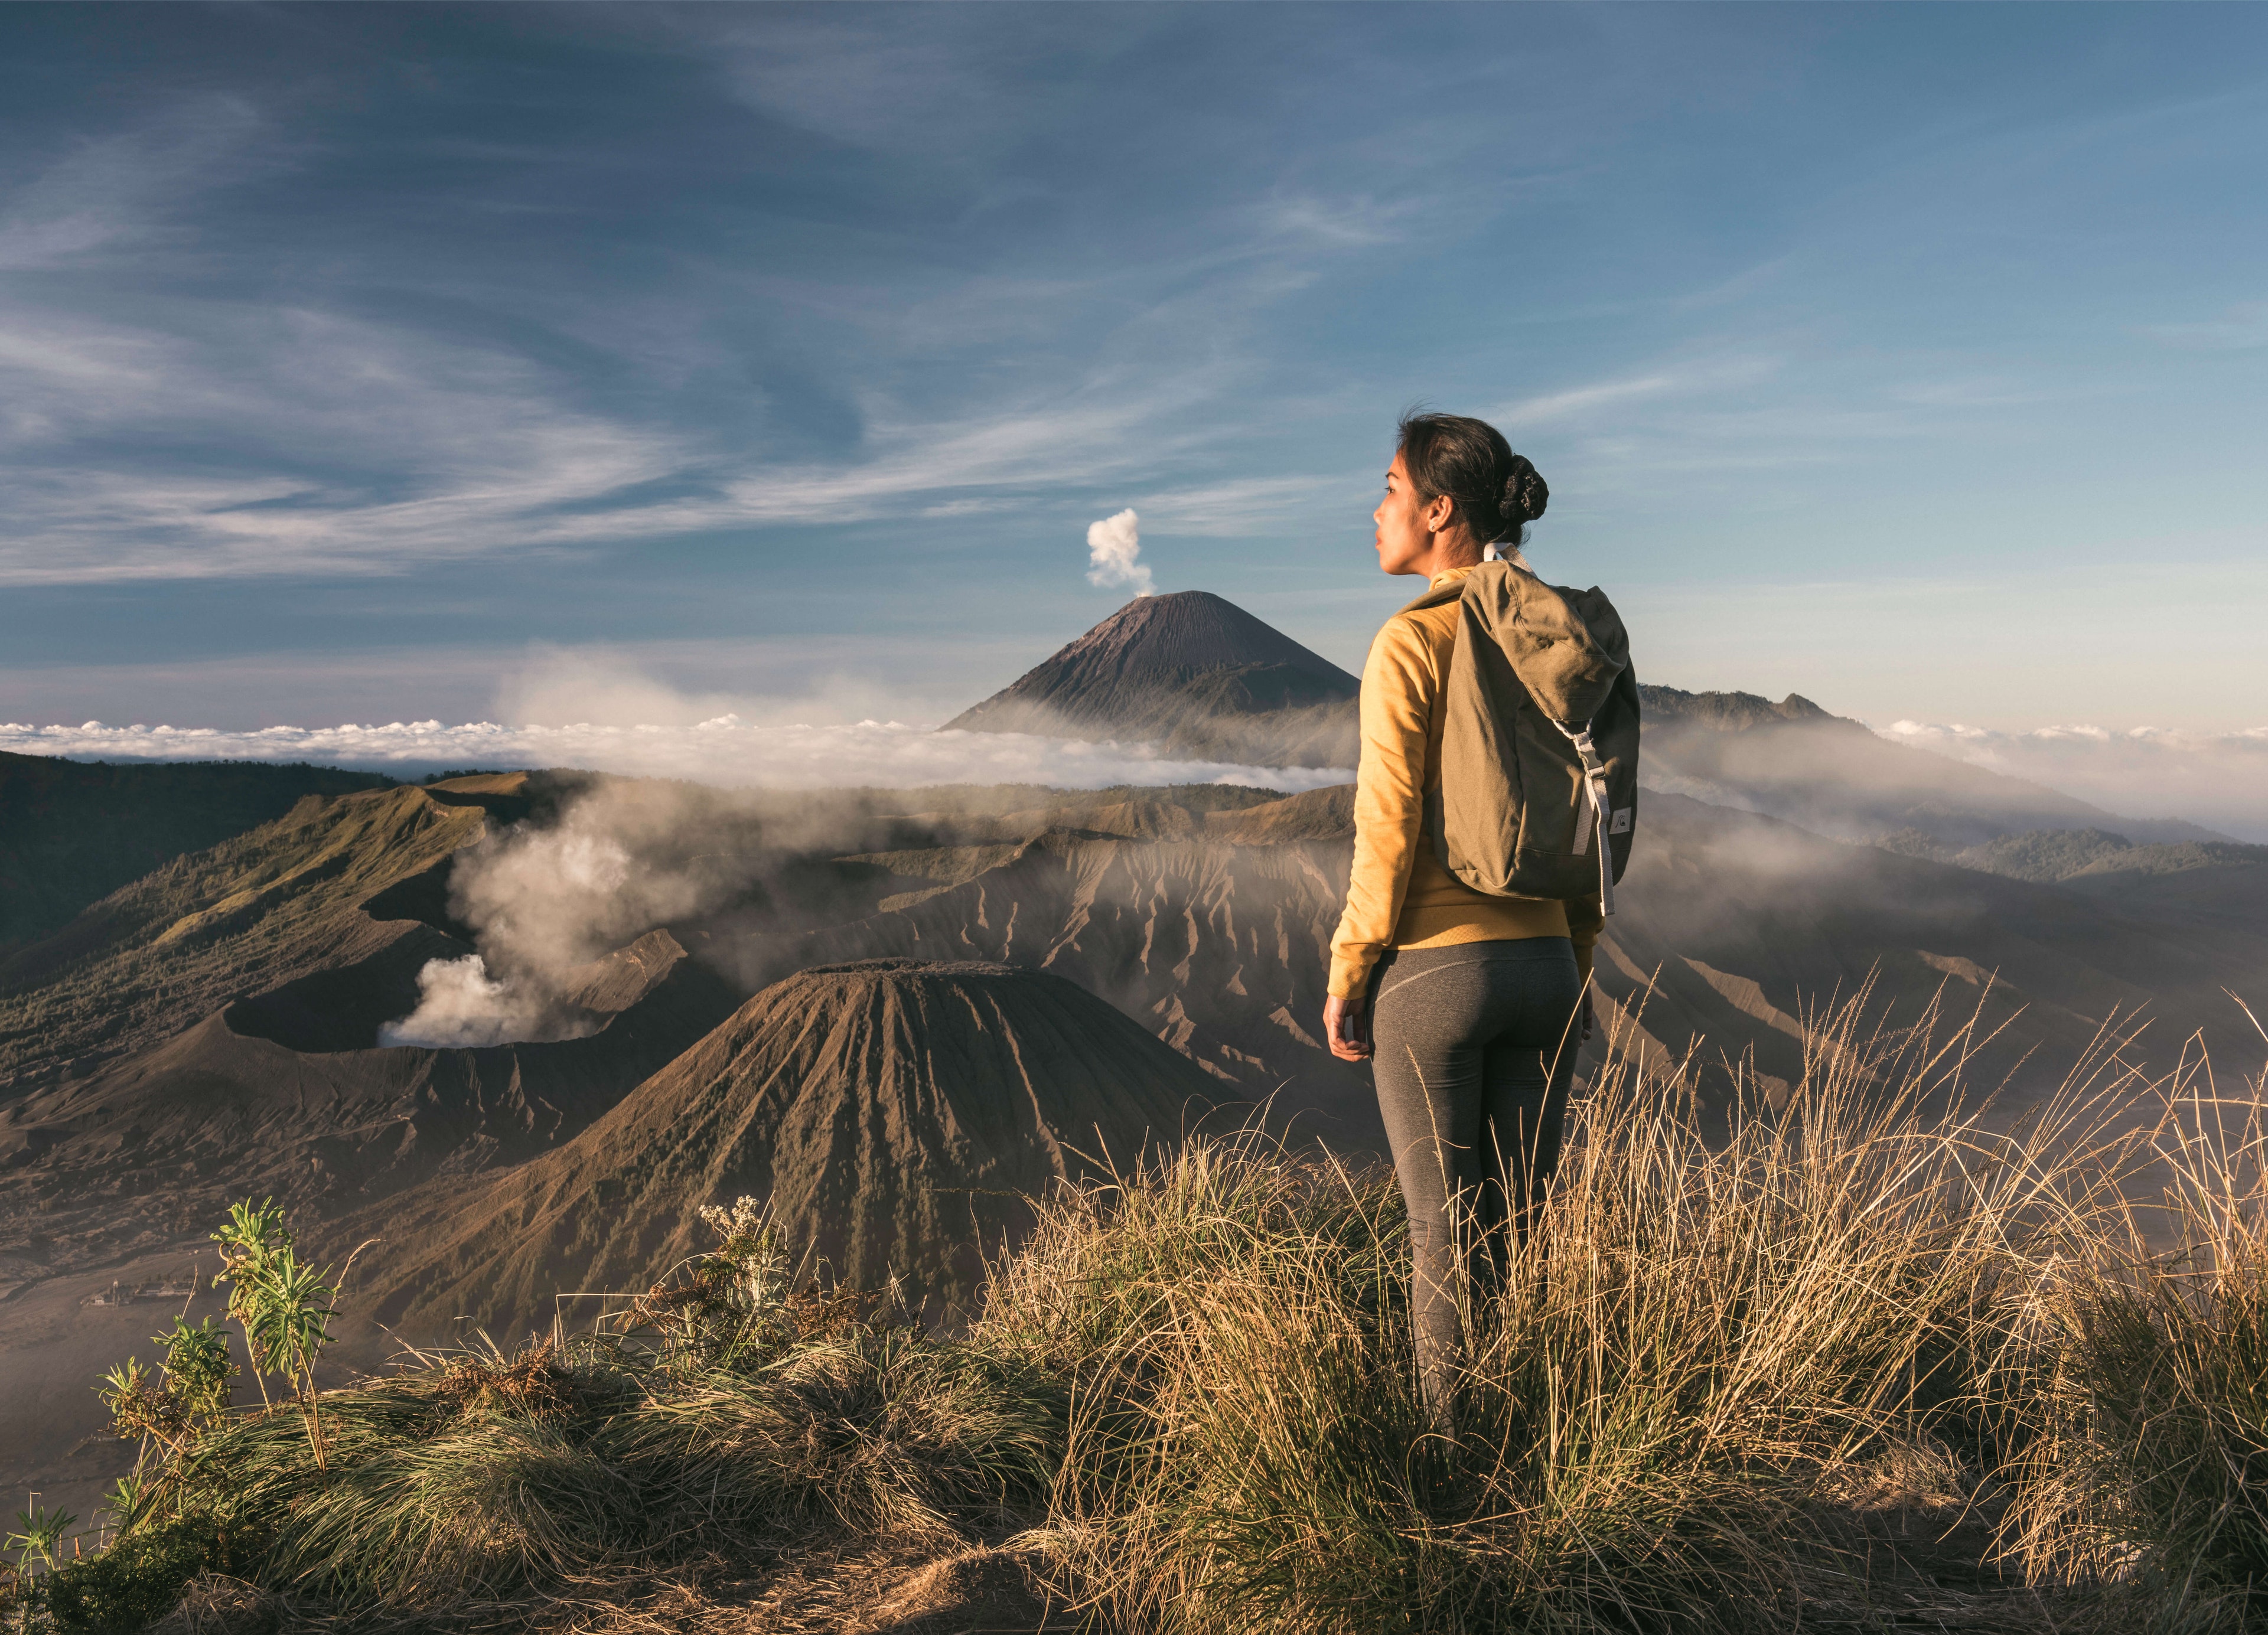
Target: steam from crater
x,y
545,902
1114,547
462,1006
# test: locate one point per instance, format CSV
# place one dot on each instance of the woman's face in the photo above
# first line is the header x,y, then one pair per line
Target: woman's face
x,y
1405,526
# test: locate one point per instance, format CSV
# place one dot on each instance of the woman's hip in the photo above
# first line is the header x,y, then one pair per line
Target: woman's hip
x,y
1521,992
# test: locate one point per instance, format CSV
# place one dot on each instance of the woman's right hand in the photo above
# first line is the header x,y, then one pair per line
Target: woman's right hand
x,y
1346,1028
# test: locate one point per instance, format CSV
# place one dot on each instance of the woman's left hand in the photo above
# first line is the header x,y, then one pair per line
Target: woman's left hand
x,y
1346,1028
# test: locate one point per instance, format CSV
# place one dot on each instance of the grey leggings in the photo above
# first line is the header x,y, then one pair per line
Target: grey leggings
x,y
1474,1046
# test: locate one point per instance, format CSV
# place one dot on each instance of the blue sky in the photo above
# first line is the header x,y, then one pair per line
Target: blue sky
x,y
357,363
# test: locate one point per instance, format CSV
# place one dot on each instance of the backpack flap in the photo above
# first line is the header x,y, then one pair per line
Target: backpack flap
x,y
1567,647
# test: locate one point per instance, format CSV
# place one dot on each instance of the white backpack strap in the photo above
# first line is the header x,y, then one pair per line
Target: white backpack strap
x,y
1593,795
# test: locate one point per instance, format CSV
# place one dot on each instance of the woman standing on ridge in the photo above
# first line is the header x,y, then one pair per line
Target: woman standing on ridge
x,y
1475,1002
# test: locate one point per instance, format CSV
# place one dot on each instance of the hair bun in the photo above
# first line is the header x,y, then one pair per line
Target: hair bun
x,y
1525,495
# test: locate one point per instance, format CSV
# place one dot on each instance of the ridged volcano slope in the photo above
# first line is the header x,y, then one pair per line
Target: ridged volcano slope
x,y
893,1112
1190,671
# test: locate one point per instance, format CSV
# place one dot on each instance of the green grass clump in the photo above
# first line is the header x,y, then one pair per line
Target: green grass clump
x,y
720,1414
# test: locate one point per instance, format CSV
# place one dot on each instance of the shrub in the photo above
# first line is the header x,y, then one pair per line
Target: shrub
x,y
137,1582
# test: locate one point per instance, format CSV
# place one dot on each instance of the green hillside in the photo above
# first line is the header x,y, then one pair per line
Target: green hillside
x,y
71,833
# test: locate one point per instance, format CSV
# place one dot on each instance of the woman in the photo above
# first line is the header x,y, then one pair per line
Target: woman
x,y
1473,1004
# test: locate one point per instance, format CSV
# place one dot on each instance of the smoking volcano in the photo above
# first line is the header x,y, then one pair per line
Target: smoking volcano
x,y
1192,673
895,1112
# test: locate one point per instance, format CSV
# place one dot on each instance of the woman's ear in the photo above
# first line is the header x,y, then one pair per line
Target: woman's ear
x,y
1440,514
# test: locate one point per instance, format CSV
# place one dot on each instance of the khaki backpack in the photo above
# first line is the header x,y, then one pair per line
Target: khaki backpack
x,y
1539,743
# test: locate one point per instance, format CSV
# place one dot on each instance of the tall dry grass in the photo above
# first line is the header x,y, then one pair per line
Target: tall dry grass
x,y
1738,1338
1884,1355
2151,1463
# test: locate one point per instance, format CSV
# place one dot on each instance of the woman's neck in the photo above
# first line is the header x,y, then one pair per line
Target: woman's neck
x,y
1448,551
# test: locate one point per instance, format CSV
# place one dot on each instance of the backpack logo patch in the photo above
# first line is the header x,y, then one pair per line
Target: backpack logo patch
x,y
1620,823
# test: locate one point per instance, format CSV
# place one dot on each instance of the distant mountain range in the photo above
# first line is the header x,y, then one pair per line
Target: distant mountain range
x,y
1834,776
1196,674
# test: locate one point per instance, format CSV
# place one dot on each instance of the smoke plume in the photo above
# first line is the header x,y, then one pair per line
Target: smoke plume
x,y
1114,547
546,902
460,1006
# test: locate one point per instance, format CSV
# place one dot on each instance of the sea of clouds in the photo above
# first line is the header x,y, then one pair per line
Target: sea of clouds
x,y
726,750
2216,779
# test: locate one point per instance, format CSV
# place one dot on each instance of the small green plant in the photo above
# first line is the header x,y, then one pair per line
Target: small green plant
x,y
140,1408
197,1368
39,1536
39,1532
193,1396
290,1325
285,1306
723,1307
125,1500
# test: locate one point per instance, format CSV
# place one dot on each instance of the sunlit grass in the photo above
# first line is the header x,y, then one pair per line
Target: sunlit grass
x,y
1878,1356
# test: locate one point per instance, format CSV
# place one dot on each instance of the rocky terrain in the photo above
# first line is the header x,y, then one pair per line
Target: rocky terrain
x,y
71,832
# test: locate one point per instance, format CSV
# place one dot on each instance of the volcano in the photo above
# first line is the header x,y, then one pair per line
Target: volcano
x,y
1191,672
895,1111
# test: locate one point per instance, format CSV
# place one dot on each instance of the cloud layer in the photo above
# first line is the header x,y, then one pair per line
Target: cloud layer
x,y
2220,780
725,751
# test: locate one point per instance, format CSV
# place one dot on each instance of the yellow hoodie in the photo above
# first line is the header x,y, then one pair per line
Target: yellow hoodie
x,y
1398,894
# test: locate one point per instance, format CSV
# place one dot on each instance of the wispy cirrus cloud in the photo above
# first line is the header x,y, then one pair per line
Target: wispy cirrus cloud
x,y
125,195
2238,329
1248,505
1552,408
203,433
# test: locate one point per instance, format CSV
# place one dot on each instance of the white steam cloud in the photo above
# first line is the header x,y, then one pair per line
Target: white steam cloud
x,y
2218,779
1114,546
545,904
459,1005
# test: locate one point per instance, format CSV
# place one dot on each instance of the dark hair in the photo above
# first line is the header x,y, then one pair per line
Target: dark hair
x,y
1493,489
